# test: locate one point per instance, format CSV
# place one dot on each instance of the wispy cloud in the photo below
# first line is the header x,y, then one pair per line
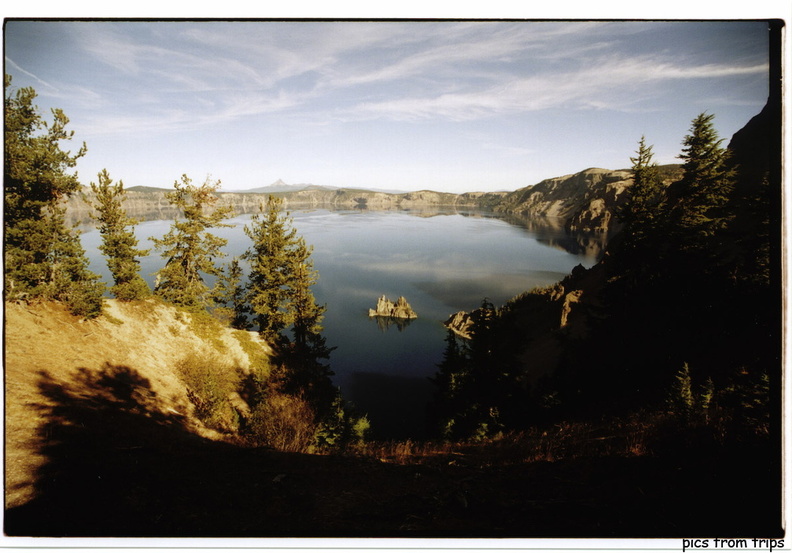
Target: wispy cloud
x,y
29,74
169,77
616,83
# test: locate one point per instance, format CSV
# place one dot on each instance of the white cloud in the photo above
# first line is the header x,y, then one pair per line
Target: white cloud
x,y
29,74
615,82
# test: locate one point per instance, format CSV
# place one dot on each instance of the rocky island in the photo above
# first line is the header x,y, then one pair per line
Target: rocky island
x,y
399,310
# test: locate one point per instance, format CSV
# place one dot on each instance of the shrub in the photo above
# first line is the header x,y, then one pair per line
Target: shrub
x,y
284,422
210,381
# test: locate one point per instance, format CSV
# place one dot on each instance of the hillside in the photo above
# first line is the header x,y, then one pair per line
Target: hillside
x,y
587,200
101,441
134,349
584,201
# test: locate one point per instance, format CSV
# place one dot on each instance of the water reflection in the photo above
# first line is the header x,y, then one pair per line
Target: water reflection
x,y
442,260
384,323
552,231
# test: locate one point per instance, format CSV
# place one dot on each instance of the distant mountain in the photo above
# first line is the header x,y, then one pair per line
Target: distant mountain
x,y
146,189
585,201
280,186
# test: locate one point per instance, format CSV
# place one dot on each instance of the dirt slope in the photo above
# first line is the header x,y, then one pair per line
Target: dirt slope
x,y
47,346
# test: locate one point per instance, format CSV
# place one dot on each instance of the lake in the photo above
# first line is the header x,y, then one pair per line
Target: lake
x,y
441,261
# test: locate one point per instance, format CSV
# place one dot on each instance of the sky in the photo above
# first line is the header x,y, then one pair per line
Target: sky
x,y
453,106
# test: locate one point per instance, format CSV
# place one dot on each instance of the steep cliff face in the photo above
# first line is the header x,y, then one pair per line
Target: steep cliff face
x,y
586,201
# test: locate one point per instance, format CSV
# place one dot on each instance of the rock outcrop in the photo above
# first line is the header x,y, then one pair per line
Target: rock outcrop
x,y
461,323
399,310
586,200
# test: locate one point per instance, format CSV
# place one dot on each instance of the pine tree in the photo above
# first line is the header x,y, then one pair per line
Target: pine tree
x,y
280,296
307,314
309,348
43,257
189,247
703,191
270,268
231,296
640,212
452,391
119,244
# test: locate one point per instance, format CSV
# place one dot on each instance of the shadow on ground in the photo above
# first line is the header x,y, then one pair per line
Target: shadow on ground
x,y
119,465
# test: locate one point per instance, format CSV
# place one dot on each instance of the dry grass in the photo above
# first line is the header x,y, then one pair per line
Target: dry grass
x,y
147,335
283,422
633,436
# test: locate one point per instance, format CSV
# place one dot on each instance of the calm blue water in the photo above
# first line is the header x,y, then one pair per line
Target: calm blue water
x,y
441,264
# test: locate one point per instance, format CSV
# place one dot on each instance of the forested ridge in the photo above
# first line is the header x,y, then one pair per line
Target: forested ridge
x,y
662,359
689,289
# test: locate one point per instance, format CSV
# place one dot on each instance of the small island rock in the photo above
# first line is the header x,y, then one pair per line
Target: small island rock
x,y
399,310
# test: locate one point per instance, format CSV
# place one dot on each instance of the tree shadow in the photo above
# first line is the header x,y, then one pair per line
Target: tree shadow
x,y
120,463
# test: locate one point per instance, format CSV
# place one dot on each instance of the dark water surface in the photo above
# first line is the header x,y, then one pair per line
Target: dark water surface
x,y
442,263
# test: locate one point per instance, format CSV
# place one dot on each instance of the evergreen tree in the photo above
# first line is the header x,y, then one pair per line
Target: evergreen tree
x,y
309,348
189,247
452,392
119,244
280,296
271,268
640,213
703,192
43,257
307,315
231,296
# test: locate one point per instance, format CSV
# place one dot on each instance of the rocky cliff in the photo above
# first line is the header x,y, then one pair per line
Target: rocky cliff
x,y
399,310
585,200
582,202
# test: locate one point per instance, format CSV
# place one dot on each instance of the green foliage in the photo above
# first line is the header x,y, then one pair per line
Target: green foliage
x,y
189,247
706,184
746,398
642,212
230,296
281,276
271,268
280,296
43,257
119,244
682,400
478,389
341,427
452,387
210,380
